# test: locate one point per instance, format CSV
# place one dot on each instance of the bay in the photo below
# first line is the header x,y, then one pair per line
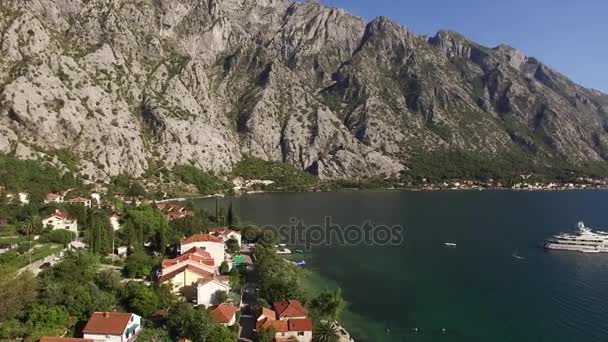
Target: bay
x,y
498,284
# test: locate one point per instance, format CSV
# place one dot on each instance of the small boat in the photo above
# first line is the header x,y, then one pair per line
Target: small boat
x,y
301,263
517,256
299,251
450,244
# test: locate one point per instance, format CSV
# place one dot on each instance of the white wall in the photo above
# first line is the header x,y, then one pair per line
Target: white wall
x,y
306,338
205,291
114,221
216,249
104,338
58,223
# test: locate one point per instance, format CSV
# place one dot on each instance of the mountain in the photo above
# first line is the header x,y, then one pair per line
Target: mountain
x,y
122,84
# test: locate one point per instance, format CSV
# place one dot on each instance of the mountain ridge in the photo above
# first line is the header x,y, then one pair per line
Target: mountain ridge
x,y
208,83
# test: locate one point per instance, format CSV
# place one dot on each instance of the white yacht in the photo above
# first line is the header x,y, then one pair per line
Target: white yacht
x,y
583,240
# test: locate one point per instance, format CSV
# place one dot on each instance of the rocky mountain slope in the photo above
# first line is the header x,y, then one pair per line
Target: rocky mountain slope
x,y
209,82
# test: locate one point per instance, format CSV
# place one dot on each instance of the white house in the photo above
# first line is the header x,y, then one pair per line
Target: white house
x,y
80,200
115,221
224,314
61,220
112,327
96,197
208,286
53,198
226,234
212,244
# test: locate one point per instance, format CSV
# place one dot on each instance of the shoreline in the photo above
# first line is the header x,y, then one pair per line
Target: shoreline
x,y
185,198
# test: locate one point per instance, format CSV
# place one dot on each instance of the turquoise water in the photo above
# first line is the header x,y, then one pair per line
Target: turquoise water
x,y
477,291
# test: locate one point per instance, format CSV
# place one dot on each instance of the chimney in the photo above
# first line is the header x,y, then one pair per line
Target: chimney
x,y
106,315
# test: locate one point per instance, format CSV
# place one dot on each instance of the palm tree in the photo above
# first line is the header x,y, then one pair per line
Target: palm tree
x,y
326,332
30,226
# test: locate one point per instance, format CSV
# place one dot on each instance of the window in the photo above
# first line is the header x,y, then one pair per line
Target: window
x,y
300,333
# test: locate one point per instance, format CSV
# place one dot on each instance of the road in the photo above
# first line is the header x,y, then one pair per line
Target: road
x,y
247,321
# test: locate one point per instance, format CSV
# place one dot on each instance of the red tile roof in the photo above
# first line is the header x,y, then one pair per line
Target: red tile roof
x,y
170,207
205,260
199,271
60,214
199,251
268,313
279,326
65,339
223,313
220,230
108,323
289,308
300,324
201,238
79,200
179,214
52,196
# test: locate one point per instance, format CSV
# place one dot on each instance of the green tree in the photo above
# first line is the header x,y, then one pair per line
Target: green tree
x,y
139,265
232,246
328,304
100,233
266,335
109,280
141,299
150,334
31,226
204,182
143,224
187,226
232,217
326,332
278,279
195,324
224,268
219,297
17,292
61,236
46,320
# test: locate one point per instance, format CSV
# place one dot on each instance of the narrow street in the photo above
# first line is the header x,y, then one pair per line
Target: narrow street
x,y
248,319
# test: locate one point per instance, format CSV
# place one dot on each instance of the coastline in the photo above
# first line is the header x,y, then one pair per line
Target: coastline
x,y
194,196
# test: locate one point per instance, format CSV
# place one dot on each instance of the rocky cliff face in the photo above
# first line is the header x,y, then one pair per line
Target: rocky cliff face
x,y
209,82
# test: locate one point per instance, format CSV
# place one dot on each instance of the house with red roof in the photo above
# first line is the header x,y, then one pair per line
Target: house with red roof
x,y
226,234
212,244
80,200
184,279
289,309
112,327
178,214
224,314
289,321
53,198
61,220
201,259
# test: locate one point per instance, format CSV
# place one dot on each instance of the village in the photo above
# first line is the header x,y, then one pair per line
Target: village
x,y
213,269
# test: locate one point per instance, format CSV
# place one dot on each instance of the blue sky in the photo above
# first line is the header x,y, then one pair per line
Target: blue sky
x,y
568,35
